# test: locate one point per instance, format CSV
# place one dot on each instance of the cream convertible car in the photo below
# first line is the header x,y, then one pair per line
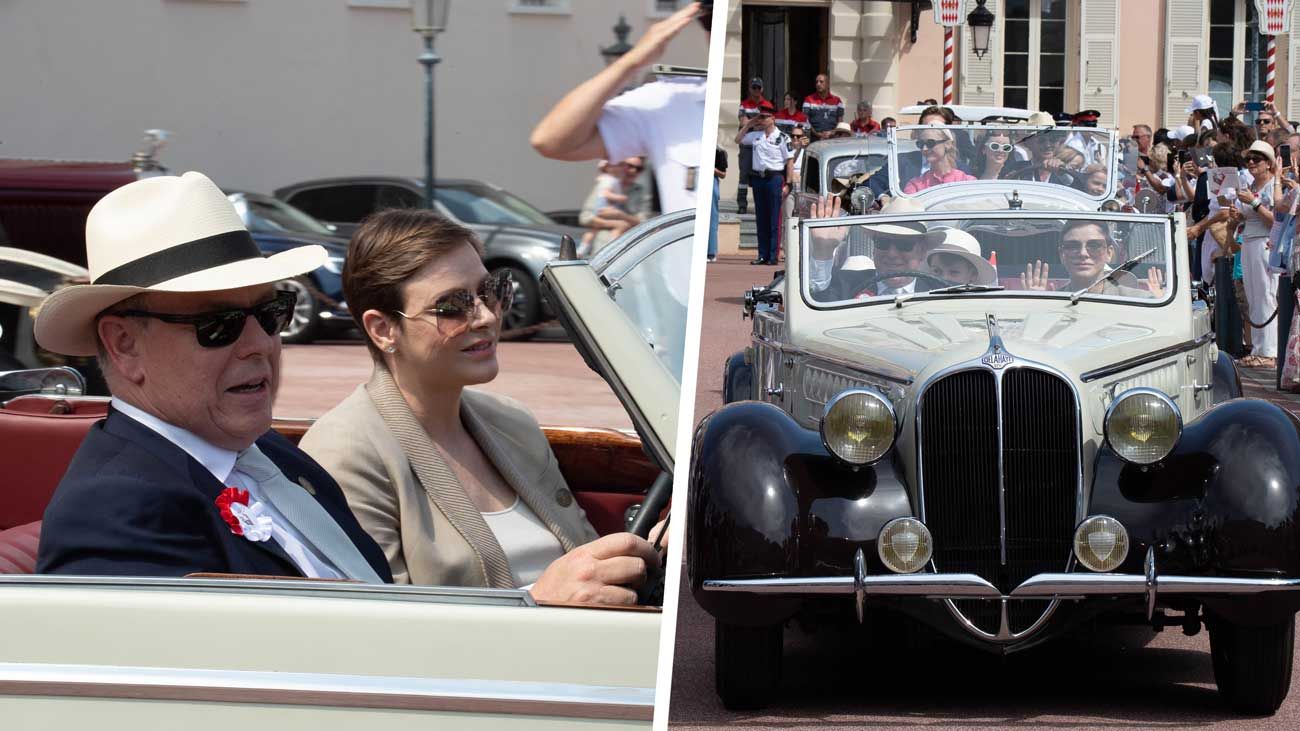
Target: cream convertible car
x,y
229,652
1003,457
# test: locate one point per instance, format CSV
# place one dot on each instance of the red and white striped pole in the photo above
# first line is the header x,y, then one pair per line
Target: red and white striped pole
x,y
1272,69
948,59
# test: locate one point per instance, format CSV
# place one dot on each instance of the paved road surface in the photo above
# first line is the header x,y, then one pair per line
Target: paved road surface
x,y
840,683
546,374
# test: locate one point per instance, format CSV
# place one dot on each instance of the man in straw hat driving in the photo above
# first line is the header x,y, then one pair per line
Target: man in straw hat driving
x,y
185,475
897,247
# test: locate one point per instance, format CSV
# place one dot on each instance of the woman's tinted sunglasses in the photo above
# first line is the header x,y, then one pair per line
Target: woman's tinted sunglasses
x,y
1000,147
496,292
223,327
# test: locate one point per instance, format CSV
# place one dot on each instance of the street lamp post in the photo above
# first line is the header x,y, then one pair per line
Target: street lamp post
x,y
980,21
620,45
429,18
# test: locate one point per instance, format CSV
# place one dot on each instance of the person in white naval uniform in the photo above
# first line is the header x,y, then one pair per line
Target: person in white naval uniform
x,y
662,121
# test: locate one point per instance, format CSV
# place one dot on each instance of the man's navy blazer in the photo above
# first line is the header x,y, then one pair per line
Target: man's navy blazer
x,y
134,504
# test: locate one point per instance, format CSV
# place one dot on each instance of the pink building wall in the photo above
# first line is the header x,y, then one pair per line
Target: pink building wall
x,y
920,66
1141,63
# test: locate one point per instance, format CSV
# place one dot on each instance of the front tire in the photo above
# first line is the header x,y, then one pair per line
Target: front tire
x,y
1252,665
305,325
747,664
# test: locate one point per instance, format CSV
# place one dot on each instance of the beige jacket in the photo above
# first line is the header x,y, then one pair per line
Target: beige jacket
x,y
409,500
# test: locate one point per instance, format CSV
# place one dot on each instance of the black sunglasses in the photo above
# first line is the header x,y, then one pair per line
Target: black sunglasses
x,y
925,144
496,291
223,327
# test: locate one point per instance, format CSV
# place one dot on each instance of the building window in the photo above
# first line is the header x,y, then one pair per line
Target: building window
x,y
663,8
540,7
1034,39
1231,24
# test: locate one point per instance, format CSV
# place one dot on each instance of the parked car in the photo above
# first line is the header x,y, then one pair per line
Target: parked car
x,y
277,226
207,651
516,235
840,166
1001,459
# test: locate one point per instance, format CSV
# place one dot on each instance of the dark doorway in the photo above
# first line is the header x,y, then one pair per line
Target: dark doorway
x,y
785,47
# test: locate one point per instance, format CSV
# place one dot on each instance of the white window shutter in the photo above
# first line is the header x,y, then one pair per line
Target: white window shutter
x,y
1186,71
976,80
1100,46
1293,62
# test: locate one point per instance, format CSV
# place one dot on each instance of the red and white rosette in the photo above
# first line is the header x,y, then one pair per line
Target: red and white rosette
x,y
250,521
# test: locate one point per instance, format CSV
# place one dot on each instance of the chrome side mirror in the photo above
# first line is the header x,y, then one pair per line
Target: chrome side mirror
x,y
60,381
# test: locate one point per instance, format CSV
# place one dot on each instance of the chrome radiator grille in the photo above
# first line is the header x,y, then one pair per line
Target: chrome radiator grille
x,y
1004,530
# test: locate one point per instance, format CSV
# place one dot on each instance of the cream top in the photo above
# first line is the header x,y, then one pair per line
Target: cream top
x,y
528,544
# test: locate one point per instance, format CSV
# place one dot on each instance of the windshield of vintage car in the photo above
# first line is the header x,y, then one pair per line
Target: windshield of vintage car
x,y
1076,158
477,203
268,215
653,293
987,257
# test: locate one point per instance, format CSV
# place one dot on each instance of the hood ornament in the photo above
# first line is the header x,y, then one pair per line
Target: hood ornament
x,y
997,356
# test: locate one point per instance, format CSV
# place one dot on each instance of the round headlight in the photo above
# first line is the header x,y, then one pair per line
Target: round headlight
x,y
904,545
1101,543
858,426
1143,425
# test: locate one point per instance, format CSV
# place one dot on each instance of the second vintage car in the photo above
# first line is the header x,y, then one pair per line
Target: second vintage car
x,y
999,410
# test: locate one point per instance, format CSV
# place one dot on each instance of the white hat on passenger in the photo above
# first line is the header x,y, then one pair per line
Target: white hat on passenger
x,y
961,244
161,234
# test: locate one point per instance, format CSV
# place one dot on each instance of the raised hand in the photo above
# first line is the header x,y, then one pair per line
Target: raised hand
x,y
1035,277
657,37
1156,282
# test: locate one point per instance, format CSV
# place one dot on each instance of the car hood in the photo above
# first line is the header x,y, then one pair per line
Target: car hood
x,y
903,345
335,245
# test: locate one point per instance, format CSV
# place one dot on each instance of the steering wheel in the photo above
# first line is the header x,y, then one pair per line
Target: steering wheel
x,y
656,499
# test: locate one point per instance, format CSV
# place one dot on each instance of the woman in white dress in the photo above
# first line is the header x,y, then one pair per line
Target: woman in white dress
x,y
1256,205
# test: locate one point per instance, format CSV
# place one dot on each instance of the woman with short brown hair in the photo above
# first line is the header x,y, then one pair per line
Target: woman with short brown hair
x,y
458,486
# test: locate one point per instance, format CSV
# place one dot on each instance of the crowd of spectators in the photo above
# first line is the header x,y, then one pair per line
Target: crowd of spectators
x,y
1234,177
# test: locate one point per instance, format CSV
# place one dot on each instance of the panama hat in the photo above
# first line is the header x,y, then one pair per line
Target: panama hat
x,y
1260,147
961,244
161,234
904,228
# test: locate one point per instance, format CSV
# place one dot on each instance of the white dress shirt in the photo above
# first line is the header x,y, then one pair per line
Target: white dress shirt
x,y
221,463
770,150
660,120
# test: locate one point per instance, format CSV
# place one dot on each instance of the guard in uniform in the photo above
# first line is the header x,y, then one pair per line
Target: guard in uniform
x,y
768,173
748,110
660,121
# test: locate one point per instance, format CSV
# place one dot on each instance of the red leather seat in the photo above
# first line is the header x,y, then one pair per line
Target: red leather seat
x,y
37,449
18,548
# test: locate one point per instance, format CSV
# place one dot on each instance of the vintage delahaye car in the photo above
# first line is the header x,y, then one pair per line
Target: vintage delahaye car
x,y
223,652
1050,440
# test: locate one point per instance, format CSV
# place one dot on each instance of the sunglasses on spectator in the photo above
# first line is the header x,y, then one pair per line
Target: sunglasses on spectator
x,y
1139,136
905,247
1000,147
798,135
496,292
220,328
1263,121
1255,159
926,143
1093,246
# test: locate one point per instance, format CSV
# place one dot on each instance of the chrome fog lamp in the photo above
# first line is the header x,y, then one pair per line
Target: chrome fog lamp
x,y
858,426
1101,543
904,545
1143,426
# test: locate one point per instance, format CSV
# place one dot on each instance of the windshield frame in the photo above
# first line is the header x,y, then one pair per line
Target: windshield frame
x,y
1060,296
907,133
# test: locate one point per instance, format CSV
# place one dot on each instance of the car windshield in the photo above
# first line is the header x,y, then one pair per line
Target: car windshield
x,y
1117,258
1075,158
478,203
268,215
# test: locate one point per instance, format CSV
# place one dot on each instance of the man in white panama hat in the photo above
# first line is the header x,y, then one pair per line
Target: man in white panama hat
x,y
897,246
184,475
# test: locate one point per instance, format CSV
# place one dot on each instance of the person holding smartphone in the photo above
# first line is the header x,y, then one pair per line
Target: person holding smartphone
x,y
1256,203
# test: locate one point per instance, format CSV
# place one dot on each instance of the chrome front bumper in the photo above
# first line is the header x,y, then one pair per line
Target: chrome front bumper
x,y
969,586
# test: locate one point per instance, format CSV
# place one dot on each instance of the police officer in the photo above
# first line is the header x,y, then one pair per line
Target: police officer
x,y
748,110
767,176
660,121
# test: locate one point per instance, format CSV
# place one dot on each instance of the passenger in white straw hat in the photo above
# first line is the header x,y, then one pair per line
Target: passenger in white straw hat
x,y
958,259
185,474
